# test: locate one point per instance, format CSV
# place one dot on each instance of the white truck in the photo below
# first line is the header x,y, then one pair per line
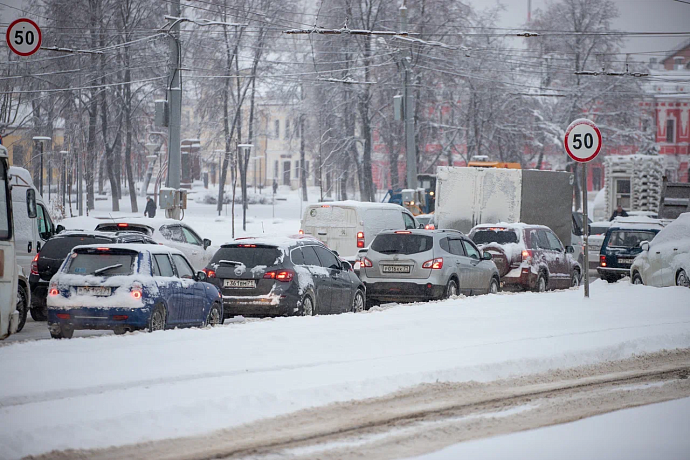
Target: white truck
x,y
633,181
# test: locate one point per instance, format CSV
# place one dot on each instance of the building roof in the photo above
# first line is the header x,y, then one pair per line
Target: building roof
x,y
676,50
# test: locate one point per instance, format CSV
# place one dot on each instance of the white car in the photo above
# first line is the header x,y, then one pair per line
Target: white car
x,y
665,261
169,232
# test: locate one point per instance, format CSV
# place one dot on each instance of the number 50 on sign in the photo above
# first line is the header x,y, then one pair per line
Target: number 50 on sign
x,y
23,37
582,140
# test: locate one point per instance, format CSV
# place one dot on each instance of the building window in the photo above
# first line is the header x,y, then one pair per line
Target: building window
x,y
297,128
596,178
286,173
287,128
276,129
623,193
275,170
678,63
670,131
297,169
18,156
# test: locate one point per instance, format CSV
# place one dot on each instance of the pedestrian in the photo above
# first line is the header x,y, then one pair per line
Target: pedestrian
x,y
275,186
150,208
619,212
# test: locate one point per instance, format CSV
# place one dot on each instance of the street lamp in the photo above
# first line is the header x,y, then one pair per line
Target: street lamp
x,y
63,178
42,140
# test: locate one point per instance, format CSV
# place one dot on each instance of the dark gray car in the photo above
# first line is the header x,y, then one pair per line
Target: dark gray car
x,y
413,265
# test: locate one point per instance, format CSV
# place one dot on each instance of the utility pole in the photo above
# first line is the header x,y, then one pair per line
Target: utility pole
x,y
408,110
175,105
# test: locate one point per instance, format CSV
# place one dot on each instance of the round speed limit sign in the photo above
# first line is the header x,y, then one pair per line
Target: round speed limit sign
x,y
582,140
23,37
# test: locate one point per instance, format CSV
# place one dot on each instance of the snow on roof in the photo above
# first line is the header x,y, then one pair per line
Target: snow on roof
x,y
676,231
281,242
636,226
513,226
152,248
357,204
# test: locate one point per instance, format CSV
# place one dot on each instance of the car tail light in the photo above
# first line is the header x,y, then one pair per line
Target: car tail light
x,y
366,262
53,292
301,232
209,273
103,249
120,317
404,232
429,227
602,261
527,256
435,264
34,266
63,315
246,245
123,225
280,275
360,239
136,292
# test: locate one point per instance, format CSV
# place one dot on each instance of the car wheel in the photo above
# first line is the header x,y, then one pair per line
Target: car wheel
x,y
61,332
39,313
358,302
542,284
22,306
214,316
157,320
120,331
637,278
494,286
575,281
451,288
682,279
308,306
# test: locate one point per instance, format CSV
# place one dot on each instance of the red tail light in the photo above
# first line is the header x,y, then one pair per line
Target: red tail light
x,y
435,264
527,255
103,249
209,273
301,232
366,262
63,315
602,261
280,275
360,239
429,227
404,232
120,317
136,293
123,225
34,266
54,292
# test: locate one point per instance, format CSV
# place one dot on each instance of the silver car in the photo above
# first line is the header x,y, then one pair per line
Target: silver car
x,y
414,265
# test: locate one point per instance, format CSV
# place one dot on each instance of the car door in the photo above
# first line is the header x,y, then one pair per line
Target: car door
x,y
196,250
321,277
191,292
175,238
561,269
341,285
480,272
462,263
169,286
44,225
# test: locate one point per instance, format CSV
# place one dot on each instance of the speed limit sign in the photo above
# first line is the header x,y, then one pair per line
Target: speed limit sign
x,y
582,140
23,37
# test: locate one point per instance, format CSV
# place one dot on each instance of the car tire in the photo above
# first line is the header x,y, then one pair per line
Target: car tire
x,y
215,317
308,308
358,302
637,278
119,331
575,279
59,332
39,313
494,286
542,283
451,288
22,306
682,279
157,319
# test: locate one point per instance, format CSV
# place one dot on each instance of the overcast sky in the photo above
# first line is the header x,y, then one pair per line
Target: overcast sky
x,y
635,15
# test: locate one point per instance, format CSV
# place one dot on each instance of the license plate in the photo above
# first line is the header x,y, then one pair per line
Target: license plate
x,y
625,260
94,290
247,284
395,268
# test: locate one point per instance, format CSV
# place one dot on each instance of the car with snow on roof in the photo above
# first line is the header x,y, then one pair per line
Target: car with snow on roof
x,y
283,276
528,256
419,265
620,247
128,287
665,260
170,232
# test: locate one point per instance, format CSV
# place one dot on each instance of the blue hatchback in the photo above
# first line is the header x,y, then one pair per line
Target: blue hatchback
x,y
128,287
620,247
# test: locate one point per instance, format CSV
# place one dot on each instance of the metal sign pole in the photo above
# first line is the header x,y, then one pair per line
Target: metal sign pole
x,y
585,227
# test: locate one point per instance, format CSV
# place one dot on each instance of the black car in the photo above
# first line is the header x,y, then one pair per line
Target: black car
x,y
260,277
620,247
53,253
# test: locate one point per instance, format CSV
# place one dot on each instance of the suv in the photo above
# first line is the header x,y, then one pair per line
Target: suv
x,y
620,247
414,265
528,256
53,253
261,277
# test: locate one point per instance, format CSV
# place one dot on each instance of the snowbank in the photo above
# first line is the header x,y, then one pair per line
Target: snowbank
x,y
100,391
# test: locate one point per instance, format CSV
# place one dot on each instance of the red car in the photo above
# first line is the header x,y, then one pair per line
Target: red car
x,y
528,256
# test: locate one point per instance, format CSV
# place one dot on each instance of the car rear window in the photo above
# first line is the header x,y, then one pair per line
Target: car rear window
x,y
629,238
402,243
249,255
58,248
597,230
330,216
499,236
101,264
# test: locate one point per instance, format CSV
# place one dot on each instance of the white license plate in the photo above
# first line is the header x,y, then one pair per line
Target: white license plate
x,y
247,284
625,260
94,290
395,268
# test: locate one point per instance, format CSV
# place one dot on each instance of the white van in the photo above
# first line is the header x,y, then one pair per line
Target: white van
x,y
347,226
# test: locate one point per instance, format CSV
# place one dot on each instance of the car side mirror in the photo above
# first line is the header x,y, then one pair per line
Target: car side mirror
x,y
59,229
487,256
346,265
31,203
644,245
420,226
569,250
200,276
207,243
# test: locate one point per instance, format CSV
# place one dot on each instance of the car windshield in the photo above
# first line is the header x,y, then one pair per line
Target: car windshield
x,y
402,243
249,255
491,235
629,238
101,264
423,220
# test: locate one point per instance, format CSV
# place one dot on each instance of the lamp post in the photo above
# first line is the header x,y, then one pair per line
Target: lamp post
x,y
41,140
63,189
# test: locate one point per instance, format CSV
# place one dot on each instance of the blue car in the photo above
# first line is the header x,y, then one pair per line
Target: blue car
x,y
128,287
620,247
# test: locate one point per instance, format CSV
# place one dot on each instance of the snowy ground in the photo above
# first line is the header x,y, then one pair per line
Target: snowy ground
x,y
101,391
654,431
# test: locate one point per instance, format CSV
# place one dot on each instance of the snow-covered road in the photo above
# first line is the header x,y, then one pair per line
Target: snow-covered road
x,y
113,390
